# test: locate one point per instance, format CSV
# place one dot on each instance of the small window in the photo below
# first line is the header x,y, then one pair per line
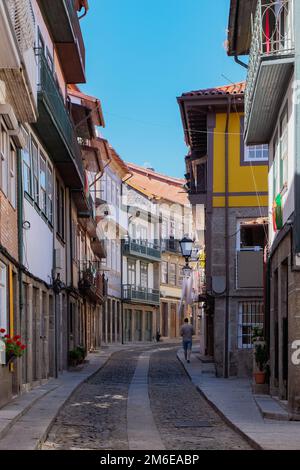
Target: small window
x,y
257,153
164,272
252,237
251,314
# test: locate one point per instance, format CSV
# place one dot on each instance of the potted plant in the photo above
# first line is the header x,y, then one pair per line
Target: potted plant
x,y
74,357
257,334
13,346
261,359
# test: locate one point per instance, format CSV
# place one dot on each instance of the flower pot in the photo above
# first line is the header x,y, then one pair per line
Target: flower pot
x,y
260,378
10,359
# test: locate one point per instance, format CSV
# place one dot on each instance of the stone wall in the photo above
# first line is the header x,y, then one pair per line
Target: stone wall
x,y
240,359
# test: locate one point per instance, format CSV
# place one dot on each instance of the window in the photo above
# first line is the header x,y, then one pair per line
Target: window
x,y
12,187
143,234
35,165
108,189
251,314
131,272
256,153
3,297
27,164
60,209
172,274
50,194
284,150
252,237
43,184
4,160
164,272
275,166
144,275
201,172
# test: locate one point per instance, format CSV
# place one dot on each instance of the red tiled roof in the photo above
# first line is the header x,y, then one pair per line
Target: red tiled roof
x,y
234,89
159,185
90,102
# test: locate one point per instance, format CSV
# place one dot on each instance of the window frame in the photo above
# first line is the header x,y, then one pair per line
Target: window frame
x,y
242,324
4,317
256,148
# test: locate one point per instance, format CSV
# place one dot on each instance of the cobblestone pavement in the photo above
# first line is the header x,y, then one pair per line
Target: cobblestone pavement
x,y
95,416
183,417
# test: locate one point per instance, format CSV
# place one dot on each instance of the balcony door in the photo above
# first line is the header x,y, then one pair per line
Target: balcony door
x,y
144,276
131,272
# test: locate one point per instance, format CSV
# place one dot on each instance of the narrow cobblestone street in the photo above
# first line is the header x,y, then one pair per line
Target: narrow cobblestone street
x,y
95,417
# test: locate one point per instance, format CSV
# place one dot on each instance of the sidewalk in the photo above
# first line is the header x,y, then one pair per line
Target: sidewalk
x,y
234,401
24,422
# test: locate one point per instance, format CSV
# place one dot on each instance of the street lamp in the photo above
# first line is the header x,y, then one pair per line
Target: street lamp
x,y
186,247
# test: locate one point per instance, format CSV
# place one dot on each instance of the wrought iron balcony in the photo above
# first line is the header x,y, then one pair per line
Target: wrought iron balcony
x,y
56,128
92,283
139,294
171,245
270,67
142,249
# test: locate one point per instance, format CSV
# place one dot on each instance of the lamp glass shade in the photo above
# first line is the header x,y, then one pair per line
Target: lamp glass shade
x,y
186,246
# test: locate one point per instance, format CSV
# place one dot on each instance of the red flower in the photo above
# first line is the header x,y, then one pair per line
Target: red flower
x,y
2,330
6,336
23,347
9,341
18,343
17,337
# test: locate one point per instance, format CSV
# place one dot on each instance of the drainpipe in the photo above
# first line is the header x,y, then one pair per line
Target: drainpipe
x,y
240,62
227,245
20,240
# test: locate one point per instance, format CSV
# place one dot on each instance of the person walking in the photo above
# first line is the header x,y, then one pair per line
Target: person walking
x,y
187,332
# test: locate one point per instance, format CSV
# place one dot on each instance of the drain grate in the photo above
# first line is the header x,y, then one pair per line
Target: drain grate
x,y
193,424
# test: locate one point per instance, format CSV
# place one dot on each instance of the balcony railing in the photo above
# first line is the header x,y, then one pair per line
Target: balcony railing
x,y
272,38
49,94
171,245
92,282
142,249
140,294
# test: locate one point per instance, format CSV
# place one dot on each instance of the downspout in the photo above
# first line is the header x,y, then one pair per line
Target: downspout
x,y
227,244
240,62
20,210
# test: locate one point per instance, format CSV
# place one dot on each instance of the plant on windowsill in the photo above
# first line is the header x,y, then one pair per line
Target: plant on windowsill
x,y
13,346
257,334
261,359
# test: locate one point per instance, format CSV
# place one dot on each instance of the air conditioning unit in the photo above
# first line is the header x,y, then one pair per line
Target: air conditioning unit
x,y
58,259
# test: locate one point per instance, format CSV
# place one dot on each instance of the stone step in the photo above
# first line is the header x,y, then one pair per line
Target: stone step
x,y
270,408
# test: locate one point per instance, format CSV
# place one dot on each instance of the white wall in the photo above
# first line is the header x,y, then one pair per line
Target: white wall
x,y
288,194
38,245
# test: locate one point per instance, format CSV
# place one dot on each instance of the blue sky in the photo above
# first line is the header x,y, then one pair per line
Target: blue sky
x,y
141,55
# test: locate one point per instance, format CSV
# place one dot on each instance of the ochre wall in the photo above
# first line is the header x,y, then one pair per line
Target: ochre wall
x,y
242,179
